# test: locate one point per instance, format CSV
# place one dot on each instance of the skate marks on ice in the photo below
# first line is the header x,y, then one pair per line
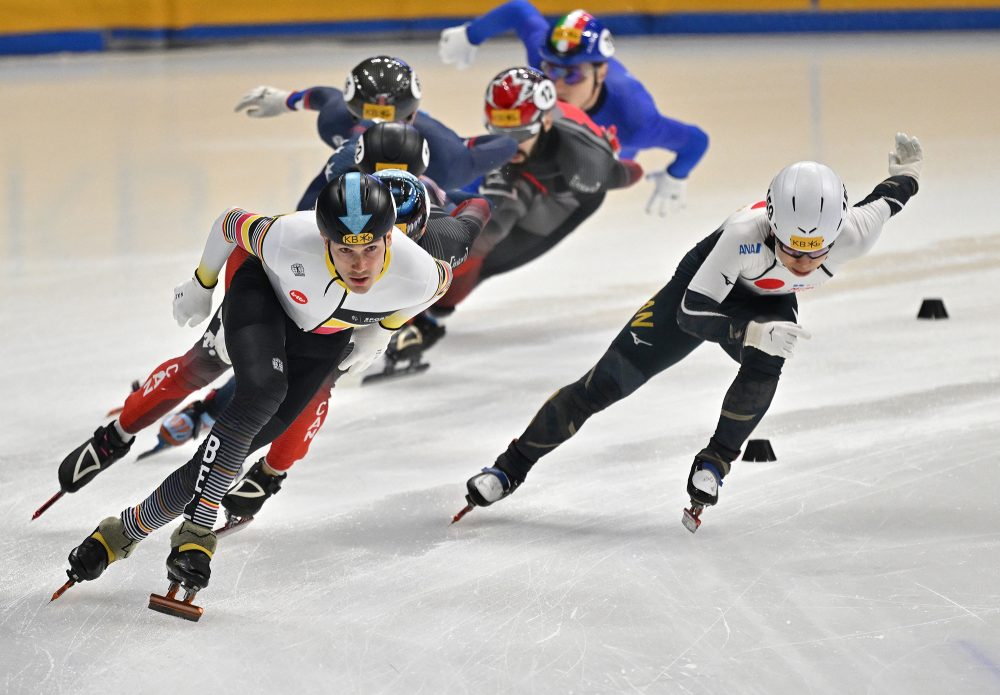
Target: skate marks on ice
x,y
954,258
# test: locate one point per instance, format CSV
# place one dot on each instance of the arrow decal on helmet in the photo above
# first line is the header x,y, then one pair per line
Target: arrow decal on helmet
x,y
354,219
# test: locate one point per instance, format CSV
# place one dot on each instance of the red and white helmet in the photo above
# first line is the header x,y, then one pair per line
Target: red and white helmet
x,y
516,101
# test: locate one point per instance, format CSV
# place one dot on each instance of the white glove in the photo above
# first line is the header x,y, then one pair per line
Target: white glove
x,y
264,102
369,342
669,194
454,47
907,158
192,302
775,337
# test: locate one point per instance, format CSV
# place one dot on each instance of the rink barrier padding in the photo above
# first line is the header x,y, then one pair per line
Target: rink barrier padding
x,y
46,26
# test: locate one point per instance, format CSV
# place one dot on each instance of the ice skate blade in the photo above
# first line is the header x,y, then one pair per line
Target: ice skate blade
x,y
458,517
394,372
231,527
160,446
62,590
179,609
692,518
52,500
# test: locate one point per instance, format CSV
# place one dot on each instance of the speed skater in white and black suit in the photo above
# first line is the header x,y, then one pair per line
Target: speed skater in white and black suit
x,y
736,288
317,281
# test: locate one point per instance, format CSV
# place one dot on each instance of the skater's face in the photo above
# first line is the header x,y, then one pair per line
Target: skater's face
x,y
526,147
579,85
801,264
359,265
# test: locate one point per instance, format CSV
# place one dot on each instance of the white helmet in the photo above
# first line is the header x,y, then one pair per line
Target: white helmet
x,y
806,204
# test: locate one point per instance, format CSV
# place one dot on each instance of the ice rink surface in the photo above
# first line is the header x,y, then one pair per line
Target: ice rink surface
x,y
865,560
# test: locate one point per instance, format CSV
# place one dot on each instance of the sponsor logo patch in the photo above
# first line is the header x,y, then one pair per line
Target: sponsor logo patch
x,y
746,249
298,270
804,243
298,297
365,238
571,34
379,112
506,118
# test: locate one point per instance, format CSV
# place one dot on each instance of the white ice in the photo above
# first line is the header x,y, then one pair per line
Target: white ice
x,y
865,560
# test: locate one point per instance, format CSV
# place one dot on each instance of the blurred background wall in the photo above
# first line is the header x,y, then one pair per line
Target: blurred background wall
x,y
45,26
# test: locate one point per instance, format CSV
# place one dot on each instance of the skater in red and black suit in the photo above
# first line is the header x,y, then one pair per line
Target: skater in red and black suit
x,y
564,167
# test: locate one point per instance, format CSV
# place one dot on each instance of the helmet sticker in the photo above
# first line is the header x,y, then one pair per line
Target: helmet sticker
x,y
506,118
415,87
359,151
378,112
807,243
545,95
365,238
349,88
605,45
565,38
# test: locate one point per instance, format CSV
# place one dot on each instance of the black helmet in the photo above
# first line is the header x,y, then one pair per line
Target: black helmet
x,y
413,205
355,209
392,146
382,89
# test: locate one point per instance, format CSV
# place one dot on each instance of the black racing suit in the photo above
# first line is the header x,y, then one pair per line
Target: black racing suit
x,y
677,319
537,203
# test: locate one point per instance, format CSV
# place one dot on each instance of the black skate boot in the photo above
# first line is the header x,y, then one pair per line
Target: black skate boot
x,y
404,354
416,337
248,495
106,544
90,458
494,484
188,567
88,560
703,485
189,562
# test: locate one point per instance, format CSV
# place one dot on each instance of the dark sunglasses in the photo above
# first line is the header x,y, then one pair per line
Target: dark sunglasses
x,y
795,253
570,74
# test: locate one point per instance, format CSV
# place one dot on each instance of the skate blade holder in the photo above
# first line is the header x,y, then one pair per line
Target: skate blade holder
x,y
692,517
233,524
171,605
394,371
